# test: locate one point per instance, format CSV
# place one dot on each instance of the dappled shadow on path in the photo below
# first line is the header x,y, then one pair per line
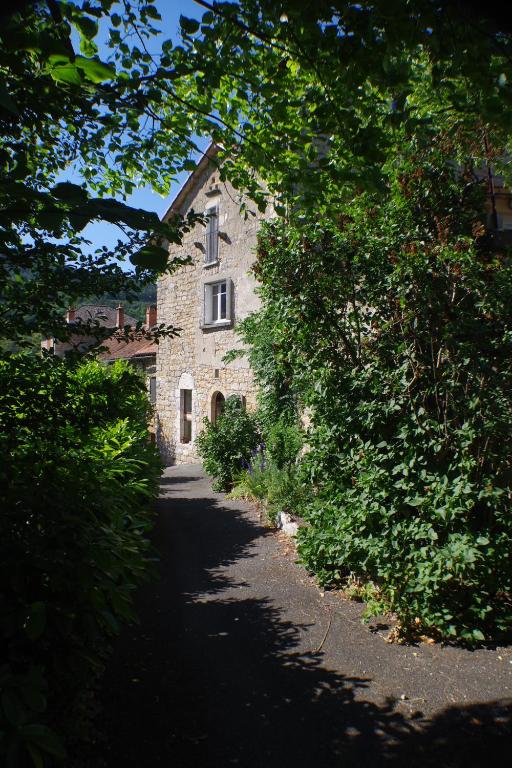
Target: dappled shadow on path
x,y
213,677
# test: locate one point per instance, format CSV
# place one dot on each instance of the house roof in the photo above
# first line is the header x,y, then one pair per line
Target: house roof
x,y
179,201
117,348
105,316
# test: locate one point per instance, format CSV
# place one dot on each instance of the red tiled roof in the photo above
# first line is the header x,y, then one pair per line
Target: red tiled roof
x,y
119,349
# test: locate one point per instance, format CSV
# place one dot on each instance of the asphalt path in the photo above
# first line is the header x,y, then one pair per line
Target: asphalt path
x,y
239,659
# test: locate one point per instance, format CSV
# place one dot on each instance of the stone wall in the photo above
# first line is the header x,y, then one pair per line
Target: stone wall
x,y
193,361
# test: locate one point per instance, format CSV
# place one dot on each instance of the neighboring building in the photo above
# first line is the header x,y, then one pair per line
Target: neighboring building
x,y
205,299
140,351
96,315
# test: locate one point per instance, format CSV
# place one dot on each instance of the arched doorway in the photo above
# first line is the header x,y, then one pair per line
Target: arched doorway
x,y
218,401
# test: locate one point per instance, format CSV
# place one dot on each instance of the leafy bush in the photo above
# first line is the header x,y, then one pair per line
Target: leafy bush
x,y
228,444
252,482
273,475
283,441
392,324
76,477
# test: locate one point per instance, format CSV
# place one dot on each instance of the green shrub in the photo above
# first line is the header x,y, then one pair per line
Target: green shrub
x,y
283,441
287,491
252,483
280,488
76,477
228,444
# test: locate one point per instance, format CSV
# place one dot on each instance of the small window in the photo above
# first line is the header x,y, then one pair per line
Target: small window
x,y
211,254
186,415
217,303
152,390
218,401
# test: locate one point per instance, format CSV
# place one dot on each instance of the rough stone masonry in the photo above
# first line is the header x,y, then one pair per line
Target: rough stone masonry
x,y
191,375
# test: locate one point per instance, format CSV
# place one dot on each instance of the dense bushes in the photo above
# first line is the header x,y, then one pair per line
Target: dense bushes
x,y
229,443
272,475
76,477
253,456
392,324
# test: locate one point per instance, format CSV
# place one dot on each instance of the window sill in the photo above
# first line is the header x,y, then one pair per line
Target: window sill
x,y
207,264
213,326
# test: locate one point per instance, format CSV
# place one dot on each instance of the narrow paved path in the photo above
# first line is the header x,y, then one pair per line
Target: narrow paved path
x,y
239,659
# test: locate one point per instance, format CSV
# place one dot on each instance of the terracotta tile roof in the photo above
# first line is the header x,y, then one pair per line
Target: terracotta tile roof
x,y
119,349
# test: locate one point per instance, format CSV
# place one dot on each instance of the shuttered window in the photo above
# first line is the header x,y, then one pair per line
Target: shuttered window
x,y
217,302
212,235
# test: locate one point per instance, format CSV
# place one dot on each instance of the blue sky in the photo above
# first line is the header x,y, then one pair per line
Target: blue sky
x,y
106,234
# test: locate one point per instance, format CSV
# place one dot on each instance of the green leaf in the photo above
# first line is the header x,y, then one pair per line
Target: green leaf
x,y
87,27
66,73
188,26
88,47
151,257
152,12
59,58
94,70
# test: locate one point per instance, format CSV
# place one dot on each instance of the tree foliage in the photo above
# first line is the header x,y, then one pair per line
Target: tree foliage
x,y
67,114
310,98
314,96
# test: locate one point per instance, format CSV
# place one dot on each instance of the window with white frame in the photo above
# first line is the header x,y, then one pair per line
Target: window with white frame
x,y
217,303
211,254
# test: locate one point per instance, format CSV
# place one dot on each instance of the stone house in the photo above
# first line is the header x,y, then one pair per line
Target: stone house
x,y
205,299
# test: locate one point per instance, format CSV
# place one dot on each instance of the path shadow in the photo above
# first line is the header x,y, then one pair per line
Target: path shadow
x,y
212,678
176,480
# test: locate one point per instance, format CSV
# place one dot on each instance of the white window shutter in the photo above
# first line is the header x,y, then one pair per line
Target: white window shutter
x,y
229,299
207,308
212,234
